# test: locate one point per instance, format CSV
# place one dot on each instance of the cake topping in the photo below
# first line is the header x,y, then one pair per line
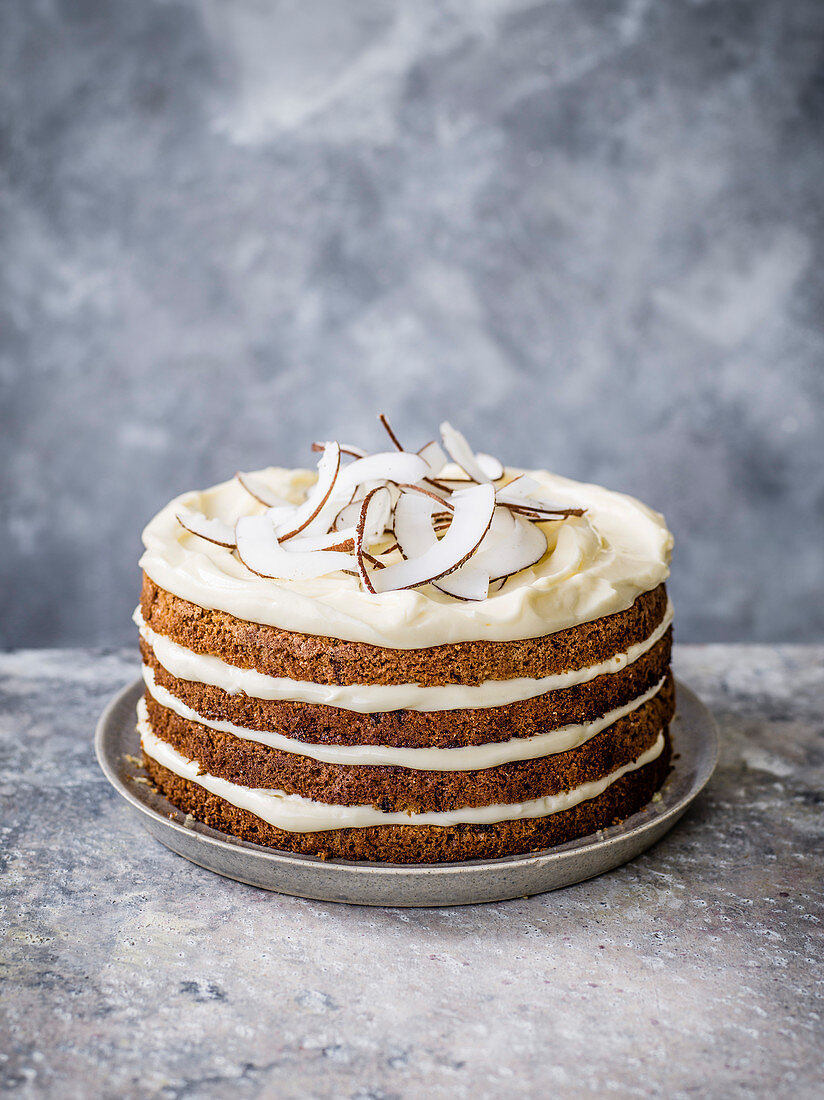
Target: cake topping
x,y
261,492
462,455
471,515
213,530
260,550
317,497
399,519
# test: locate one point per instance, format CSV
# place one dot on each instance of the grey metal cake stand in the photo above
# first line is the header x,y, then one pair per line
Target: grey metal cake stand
x,y
695,750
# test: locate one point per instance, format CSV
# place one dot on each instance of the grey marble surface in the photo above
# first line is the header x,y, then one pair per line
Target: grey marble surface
x,y
588,231
695,970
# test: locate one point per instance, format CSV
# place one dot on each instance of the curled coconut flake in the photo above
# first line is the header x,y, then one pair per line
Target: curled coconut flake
x,y
373,515
397,466
434,456
350,513
541,510
378,513
346,517
442,490
491,466
261,552
348,449
517,496
343,539
255,487
412,524
520,487
461,453
360,477
473,513
415,515
433,495
373,560
328,469
213,530
280,515
389,432
432,453
466,583
511,544
365,487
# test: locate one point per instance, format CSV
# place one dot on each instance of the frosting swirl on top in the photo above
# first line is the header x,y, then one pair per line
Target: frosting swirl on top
x,y
595,565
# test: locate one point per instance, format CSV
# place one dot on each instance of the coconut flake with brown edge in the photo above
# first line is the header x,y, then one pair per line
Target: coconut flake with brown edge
x,y
258,489
261,552
371,522
212,530
473,511
517,496
462,454
511,545
328,469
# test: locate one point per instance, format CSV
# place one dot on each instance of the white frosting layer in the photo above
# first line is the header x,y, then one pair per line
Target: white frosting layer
x,y
304,815
464,759
596,565
184,664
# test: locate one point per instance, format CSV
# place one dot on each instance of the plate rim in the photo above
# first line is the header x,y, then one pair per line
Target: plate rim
x,y
603,839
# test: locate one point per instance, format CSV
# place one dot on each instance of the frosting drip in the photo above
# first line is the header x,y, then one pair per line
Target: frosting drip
x,y
293,813
595,565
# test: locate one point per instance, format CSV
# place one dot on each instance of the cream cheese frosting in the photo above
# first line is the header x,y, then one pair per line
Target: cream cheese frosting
x,y
466,758
185,664
595,565
294,813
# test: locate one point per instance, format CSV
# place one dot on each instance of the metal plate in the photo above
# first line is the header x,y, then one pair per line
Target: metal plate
x,y
695,750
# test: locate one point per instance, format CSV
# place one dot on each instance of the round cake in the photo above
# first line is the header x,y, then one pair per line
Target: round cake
x,y
408,656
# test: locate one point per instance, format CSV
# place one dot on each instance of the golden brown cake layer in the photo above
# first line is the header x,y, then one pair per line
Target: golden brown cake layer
x,y
395,789
318,723
332,661
422,843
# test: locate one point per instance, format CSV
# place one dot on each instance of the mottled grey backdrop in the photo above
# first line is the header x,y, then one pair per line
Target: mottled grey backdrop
x,y
588,232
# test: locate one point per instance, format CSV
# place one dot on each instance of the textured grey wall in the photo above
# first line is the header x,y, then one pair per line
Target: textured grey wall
x,y
588,232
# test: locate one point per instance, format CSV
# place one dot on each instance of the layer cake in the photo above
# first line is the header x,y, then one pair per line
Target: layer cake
x,y
406,656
